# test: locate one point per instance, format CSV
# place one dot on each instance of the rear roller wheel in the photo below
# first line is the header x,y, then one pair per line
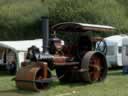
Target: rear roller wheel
x,y
96,66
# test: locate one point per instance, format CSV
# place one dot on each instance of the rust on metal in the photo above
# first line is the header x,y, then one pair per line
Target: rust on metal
x,y
62,61
35,71
96,63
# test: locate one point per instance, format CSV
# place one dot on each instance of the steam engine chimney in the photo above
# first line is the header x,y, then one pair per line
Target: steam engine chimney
x,y
45,33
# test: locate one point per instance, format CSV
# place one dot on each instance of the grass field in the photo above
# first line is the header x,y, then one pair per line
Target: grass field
x,y
116,84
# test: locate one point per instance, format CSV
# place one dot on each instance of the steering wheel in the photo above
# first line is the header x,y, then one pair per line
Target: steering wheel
x,y
101,46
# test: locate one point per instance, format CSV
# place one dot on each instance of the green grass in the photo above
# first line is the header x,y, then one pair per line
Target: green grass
x,y
116,84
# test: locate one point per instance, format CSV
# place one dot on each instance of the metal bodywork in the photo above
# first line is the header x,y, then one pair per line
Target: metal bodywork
x,y
74,62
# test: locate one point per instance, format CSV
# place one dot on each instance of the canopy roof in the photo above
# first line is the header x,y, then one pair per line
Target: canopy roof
x,y
21,45
80,27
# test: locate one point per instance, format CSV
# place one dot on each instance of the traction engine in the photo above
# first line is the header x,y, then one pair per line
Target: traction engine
x,y
73,63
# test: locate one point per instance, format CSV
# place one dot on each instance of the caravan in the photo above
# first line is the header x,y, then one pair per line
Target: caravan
x,y
117,50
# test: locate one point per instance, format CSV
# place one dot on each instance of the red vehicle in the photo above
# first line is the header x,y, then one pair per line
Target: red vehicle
x,y
74,59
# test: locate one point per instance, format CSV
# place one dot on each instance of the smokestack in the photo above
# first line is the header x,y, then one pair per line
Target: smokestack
x,y
45,33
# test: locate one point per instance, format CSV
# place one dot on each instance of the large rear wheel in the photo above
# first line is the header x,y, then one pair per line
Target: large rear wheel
x,y
96,66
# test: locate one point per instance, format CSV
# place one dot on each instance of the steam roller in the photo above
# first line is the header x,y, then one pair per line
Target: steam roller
x,y
75,62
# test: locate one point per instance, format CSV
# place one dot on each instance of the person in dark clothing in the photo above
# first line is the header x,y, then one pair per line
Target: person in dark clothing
x,y
33,53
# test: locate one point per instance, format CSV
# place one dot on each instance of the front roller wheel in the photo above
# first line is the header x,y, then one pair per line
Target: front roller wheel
x,y
27,76
96,66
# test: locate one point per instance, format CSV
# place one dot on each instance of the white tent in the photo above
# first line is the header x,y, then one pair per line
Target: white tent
x,y
21,45
19,48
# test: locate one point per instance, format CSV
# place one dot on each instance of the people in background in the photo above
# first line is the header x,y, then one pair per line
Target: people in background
x,y
33,53
11,62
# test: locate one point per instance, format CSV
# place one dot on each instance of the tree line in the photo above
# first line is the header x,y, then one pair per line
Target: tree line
x,y
20,19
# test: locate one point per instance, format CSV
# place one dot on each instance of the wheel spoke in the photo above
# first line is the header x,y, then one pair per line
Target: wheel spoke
x,y
96,64
95,68
95,76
